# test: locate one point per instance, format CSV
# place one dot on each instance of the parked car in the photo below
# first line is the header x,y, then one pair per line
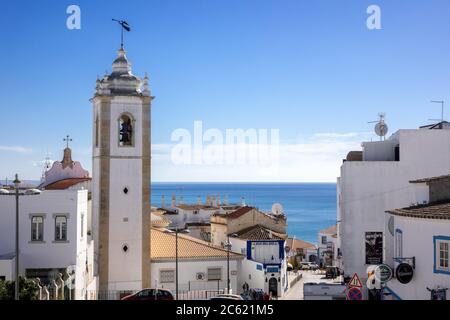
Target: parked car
x,y
150,294
227,297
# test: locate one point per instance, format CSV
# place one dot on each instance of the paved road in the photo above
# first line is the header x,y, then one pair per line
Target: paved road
x,y
296,292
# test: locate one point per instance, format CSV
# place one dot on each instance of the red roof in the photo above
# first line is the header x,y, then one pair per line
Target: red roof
x,y
239,212
65,183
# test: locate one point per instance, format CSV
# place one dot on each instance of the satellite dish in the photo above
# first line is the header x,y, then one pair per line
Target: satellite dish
x,y
381,128
391,225
277,209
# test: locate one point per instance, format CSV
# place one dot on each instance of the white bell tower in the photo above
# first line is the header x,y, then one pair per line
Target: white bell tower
x,y
121,179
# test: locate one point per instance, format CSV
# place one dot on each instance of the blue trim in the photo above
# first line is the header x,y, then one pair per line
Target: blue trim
x,y
398,231
396,296
435,239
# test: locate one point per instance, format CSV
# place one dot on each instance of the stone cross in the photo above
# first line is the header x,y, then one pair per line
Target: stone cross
x,y
67,139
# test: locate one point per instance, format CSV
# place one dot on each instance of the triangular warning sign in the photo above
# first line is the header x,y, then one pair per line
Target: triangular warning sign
x,y
355,282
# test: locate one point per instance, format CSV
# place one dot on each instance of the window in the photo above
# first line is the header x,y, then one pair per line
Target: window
x,y
398,243
167,276
442,247
324,239
60,228
214,273
37,228
125,130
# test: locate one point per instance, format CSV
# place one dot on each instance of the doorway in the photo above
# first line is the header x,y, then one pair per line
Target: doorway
x,y
273,287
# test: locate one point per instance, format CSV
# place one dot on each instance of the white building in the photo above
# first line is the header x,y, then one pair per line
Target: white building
x,y
421,243
121,179
327,240
202,267
376,180
54,231
265,266
300,251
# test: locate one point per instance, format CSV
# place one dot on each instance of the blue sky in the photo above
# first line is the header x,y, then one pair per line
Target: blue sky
x,y
311,69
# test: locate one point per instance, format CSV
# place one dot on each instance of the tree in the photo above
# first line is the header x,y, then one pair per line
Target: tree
x,y
29,290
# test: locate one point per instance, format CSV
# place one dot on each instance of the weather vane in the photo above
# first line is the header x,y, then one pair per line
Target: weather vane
x,y
125,26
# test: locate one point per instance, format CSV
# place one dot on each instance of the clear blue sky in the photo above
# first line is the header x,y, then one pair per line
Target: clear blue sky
x,y
310,68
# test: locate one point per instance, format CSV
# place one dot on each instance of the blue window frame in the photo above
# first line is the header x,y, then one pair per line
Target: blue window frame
x,y
441,246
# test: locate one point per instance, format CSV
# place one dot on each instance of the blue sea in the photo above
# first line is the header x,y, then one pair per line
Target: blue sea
x,y
309,207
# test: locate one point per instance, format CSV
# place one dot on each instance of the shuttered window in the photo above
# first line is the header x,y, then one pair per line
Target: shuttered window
x,y
214,273
167,276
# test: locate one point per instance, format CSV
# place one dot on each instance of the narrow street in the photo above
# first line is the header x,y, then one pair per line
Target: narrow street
x,y
296,292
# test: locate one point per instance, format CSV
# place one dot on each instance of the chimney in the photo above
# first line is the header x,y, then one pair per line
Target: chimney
x,y
218,200
162,202
243,201
174,200
199,200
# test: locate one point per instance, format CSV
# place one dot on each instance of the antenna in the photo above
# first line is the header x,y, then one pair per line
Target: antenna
x,y
442,110
381,128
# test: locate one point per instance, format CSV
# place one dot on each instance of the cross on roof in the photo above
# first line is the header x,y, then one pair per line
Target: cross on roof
x,y
67,139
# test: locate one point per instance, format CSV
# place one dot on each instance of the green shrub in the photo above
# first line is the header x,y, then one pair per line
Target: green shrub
x,y
29,290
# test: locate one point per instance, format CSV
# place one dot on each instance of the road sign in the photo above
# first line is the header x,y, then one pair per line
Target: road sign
x,y
354,293
355,282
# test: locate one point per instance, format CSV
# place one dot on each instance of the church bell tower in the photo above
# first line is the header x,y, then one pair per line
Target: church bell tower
x,y
121,179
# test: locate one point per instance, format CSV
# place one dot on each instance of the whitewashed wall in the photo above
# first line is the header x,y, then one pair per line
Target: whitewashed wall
x,y
367,189
418,242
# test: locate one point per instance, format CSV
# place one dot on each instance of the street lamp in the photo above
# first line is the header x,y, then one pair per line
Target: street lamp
x,y
17,194
177,231
228,247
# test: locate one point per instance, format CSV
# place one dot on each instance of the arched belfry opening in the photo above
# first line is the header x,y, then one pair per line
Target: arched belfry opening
x,y
126,130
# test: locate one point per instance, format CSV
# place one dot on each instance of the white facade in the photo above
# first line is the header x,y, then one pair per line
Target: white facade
x,y
327,247
48,253
419,239
366,189
193,274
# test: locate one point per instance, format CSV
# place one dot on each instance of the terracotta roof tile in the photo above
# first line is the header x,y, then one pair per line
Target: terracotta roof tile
x,y
239,212
258,232
163,247
330,230
443,177
439,211
294,244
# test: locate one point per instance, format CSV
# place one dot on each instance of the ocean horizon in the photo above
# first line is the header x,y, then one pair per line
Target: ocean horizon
x,y
309,206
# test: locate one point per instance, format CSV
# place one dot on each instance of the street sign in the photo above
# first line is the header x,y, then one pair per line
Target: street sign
x,y
355,282
354,293
384,273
